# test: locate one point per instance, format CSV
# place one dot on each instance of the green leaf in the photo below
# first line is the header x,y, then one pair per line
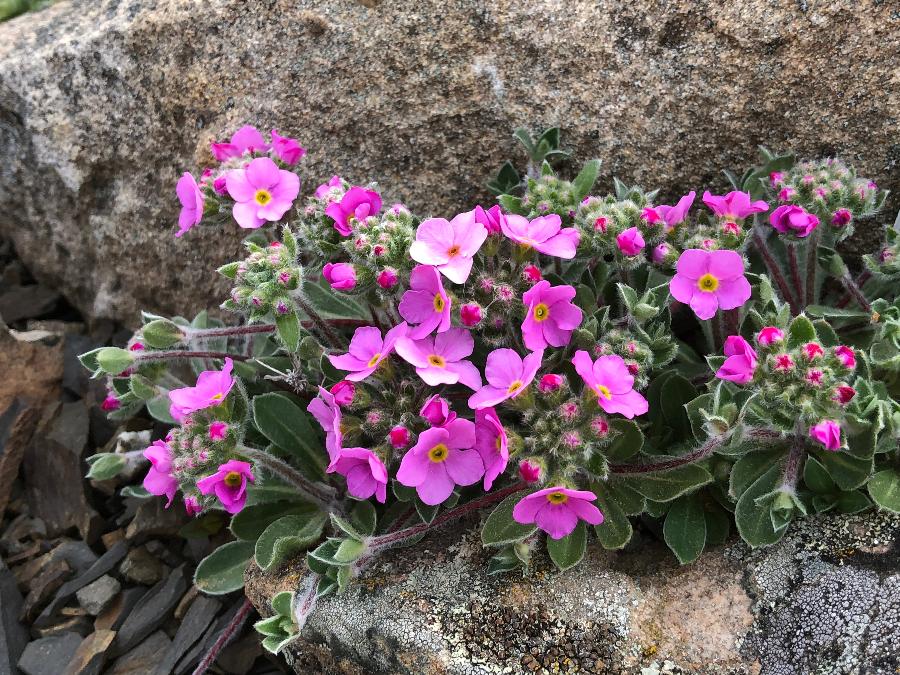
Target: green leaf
x,y
568,551
628,441
664,486
848,472
816,477
162,334
752,514
281,603
836,312
884,487
287,536
112,360
287,425
677,392
615,531
853,502
105,465
349,550
507,179
158,407
500,528
749,468
800,332
331,305
718,525
252,520
585,179
511,204
685,528
222,571
363,518
289,330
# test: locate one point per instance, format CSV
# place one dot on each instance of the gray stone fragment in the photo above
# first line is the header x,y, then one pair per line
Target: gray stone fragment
x,y
141,567
195,623
151,610
143,658
49,655
13,635
97,595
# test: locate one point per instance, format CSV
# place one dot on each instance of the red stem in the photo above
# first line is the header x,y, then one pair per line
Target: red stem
x,y
203,333
227,636
795,273
182,354
860,281
775,271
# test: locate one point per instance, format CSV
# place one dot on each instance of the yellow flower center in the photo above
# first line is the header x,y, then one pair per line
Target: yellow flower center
x,y
557,497
437,361
262,197
232,479
438,453
603,390
218,397
541,312
453,251
438,303
374,359
498,442
707,283
515,386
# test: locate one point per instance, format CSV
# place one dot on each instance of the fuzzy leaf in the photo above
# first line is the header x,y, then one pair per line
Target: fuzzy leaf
x,y
253,519
848,472
800,332
685,528
500,528
105,465
585,179
289,330
568,551
752,514
816,477
222,571
665,486
287,536
884,487
615,531
287,425
628,441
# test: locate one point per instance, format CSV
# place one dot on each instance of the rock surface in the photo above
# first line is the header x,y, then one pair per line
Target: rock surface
x,y
103,103
825,600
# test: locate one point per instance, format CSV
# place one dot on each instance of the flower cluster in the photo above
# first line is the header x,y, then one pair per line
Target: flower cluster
x,y
264,280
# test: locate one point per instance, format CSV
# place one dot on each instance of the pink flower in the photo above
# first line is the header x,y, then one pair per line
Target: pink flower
x,y
601,224
492,218
660,252
557,510
211,389
675,215
217,431
529,472
492,444
813,350
328,414
793,219
341,276
532,274
470,314
437,411
814,377
229,484
609,379
600,426
262,192
426,303
367,350
387,278
438,359
709,280
786,194
841,217
334,184
630,242
508,375
550,382
192,506
449,246
442,458
651,215
159,479
110,403
551,317
191,203
828,433
343,392
365,473
769,336
245,139
399,437
220,187
784,363
843,394
356,204
775,178
846,356
543,234
287,150
741,362
733,205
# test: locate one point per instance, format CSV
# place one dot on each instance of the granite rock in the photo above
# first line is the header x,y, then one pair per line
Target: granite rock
x,y
103,103
825,599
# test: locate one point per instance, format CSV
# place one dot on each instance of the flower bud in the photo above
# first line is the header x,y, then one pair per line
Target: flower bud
x,y
530,470
343,392
550,382
532,274
600,426
813,350
828,433
341,276
387,278
399,437
437,411
769,336
470,314
110,403
218,430
660,252
601,224
162,333
843,394
846,356
630,242
192,506
784,363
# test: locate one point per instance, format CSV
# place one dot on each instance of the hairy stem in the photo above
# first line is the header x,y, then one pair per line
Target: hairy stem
x,y
228,634
318,492
812,266
795,275
775,271
386,540
203,333
305,599
863,277
174,354
732,321
718,340
319,322
792,466
704,451
855,292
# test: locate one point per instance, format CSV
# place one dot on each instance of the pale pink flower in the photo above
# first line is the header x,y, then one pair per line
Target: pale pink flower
x,y
333,186
551,316
709,280
328,414
229,484
210,390
245,139
733,205
439,359
492,444
491,218
288,150
261,191
544,234
365,473
160,479
426,303
675,215
449,246
367,350
508,375
609,379
192,202
740,365
557,510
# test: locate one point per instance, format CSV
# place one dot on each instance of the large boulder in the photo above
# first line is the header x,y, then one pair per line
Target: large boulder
x,y
826,599
104,102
